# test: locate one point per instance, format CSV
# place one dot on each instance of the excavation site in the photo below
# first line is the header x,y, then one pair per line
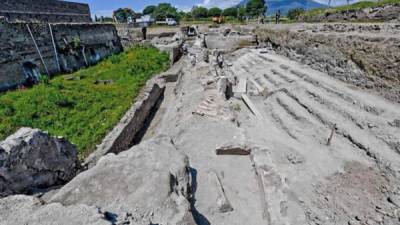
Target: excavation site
x,y
262,121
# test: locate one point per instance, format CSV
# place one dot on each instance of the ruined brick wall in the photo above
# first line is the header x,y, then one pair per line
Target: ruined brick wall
x,y
76,44
51,11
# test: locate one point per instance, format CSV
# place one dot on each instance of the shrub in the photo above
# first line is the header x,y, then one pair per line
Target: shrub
x,y
293,14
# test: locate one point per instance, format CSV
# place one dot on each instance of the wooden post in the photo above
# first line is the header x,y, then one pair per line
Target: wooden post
x,y
37,49
331,136
55,49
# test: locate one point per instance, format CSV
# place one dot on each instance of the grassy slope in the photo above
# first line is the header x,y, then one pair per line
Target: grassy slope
x,y
355,6
78,109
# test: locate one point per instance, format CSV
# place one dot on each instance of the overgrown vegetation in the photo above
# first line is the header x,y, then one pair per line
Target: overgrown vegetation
x,y
79,107
355,6
293,14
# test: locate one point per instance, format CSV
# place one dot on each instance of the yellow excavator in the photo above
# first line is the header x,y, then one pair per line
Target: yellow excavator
x,y
218,19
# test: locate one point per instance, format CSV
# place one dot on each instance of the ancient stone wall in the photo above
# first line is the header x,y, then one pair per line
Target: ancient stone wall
x,y
77,46
44,11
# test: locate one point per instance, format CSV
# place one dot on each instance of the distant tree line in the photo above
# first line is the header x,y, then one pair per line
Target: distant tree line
x,y
252,9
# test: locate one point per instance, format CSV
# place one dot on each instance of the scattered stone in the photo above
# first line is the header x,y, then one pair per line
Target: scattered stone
x,y
206,55
30,160
223,203
395,123
295,159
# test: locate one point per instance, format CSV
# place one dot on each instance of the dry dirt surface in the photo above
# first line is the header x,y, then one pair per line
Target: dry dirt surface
x,y
293,146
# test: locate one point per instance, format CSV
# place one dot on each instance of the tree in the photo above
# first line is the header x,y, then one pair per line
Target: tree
x,y
215,11
149,9
256,8
122,14
165,10
199,12
293,14
242,13
233,11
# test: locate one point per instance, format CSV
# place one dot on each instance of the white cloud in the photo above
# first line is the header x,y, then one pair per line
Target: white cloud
x,y
219,3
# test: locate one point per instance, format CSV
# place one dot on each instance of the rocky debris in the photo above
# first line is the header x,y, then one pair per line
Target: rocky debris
x,y
147,184
20,209
232,148
363,188
295,158
223,203
30,160
346,52
278,206
381,13
233,41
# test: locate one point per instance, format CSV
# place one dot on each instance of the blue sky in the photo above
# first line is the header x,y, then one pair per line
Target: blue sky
x,y
106,7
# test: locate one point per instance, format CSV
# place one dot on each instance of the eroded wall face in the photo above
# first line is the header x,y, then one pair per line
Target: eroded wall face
x,y
77,46
44,11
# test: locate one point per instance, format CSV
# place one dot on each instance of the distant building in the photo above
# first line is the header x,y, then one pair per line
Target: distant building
x,y
145,21
47,11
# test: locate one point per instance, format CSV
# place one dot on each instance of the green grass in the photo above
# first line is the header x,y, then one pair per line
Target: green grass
x,y
78,109
355,6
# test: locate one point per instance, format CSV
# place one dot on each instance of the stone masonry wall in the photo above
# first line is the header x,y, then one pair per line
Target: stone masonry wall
x,y
51,11
76,44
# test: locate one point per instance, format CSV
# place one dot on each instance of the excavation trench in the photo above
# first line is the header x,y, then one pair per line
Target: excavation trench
x,y
137,121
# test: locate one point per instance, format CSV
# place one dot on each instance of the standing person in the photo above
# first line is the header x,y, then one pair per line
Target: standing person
x,y
220,60
277,16
144,32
